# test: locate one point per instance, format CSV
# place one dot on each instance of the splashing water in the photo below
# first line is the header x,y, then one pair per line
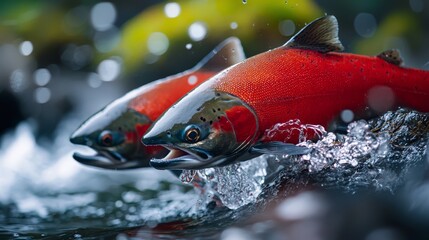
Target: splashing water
x,y
45,196
293,129
39,194
367,157
236,185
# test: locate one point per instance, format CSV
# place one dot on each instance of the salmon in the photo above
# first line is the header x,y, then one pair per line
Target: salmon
x,y
308,79
115,131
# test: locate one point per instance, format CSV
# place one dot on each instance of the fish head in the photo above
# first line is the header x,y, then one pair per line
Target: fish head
x,y
204,129
115,133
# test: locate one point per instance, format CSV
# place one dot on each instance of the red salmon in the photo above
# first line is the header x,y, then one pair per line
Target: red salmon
x,y
307,79
116,130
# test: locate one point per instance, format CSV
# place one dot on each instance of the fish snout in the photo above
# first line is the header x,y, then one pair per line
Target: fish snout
x,y
77,138
150,139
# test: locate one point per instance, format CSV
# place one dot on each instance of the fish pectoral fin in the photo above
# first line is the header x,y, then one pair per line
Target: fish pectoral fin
x,y
279,148
320,35
226,54
392,56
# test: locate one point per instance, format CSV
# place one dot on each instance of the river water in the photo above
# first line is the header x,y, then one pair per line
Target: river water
x,y
370,180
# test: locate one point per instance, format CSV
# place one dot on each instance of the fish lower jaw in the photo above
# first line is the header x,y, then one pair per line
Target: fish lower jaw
x,y
177,159
175,153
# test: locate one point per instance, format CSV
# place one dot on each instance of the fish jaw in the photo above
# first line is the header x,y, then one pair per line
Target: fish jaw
x,y
226,127
105,160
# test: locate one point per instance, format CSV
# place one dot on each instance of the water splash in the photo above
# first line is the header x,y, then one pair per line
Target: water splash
x,y
40,188
372,155
293,130
43,186
235,185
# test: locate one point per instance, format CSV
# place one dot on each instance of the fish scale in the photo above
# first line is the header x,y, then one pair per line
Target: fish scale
x,y
166,92
323,86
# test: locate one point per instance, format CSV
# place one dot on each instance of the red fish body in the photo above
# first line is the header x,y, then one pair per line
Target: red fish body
x,y
116,130
315,87
307,79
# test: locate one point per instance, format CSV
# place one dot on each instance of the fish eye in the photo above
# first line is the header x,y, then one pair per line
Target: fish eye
x,y
106,138
109,139
192,134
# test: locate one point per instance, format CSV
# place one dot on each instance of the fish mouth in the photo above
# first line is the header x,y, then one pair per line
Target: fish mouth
x,y
178,159
108,160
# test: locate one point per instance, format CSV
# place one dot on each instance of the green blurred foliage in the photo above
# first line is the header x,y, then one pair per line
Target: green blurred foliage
x,y
257,21
52,25
400,24
43,23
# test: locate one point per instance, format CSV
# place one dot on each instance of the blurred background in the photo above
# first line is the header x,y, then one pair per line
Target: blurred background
x,y
70,58
62,60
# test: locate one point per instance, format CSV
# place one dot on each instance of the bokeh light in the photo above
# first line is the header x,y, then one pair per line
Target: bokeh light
x,y
365,24
109,70
172,9
94,80
42,76
287,27
157,43
42,95
26,48
17,81
192,80
103,15
197,31
347,115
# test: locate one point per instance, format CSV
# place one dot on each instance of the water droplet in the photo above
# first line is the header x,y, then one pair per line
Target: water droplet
x,y
244,1
233,25
188,46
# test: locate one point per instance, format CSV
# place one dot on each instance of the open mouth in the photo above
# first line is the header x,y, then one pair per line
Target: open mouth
x,y
176,159
179,159
108,160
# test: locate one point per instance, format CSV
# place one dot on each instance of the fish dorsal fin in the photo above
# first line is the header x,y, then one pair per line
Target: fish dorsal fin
x,y
392,56
320,35
224,55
